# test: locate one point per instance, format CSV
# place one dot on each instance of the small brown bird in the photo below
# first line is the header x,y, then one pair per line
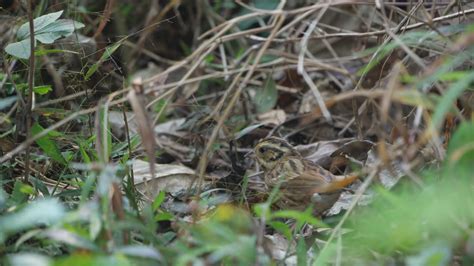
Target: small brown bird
x,y
300,181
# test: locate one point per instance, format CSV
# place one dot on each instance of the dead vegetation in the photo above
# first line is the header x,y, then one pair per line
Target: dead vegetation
x,y
148,138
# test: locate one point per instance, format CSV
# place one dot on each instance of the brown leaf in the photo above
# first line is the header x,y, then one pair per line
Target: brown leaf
x,y
145,129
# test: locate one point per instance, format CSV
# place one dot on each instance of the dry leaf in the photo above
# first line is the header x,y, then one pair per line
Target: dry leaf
x,y
170,178
275,117
278,247
137,101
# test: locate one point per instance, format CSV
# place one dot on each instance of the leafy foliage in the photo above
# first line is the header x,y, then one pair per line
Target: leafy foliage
x,y
219,76
47,29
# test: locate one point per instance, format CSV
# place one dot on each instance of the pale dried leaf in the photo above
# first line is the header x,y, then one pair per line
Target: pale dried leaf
x,y
275,117
170,178
117,123
387,177
320,152
190,89
278,246
169,127
345,201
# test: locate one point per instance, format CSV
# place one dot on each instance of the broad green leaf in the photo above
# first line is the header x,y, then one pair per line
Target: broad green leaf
x,y
436,255
18,196
39,23
19,49
40,185
48,145
141,251
266,97
28,258
42,90
69,238
260,4
7,102
38,213
47,29
56,30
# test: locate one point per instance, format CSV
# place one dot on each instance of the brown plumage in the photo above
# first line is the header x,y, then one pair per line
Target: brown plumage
x,y
301,182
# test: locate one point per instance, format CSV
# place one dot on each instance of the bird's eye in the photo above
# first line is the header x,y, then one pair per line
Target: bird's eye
x,y
262,149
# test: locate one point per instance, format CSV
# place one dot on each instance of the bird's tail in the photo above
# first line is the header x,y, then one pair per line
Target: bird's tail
x,y
339,182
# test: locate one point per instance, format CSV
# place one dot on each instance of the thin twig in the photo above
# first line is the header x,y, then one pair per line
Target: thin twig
x,y
31,76
301,69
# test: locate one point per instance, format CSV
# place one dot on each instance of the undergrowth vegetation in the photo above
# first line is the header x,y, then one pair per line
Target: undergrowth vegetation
x,y
127,131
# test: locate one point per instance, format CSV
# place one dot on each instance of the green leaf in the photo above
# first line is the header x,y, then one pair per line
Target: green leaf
x,y
452,62
281,227
260,4
158,200
160,108
41,212
141,251
39,23
41,52
18,196
84,154
48,145
301,252
246,130
300,217
436,255
42,90
40,186
47,29
109,50
266,97
56,30
19,49
449,98
7,102
417,98
29,258
461,148
105,135
163,216
69,238
94,260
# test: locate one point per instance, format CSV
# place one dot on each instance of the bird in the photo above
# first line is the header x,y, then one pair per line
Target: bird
x,y
301,182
